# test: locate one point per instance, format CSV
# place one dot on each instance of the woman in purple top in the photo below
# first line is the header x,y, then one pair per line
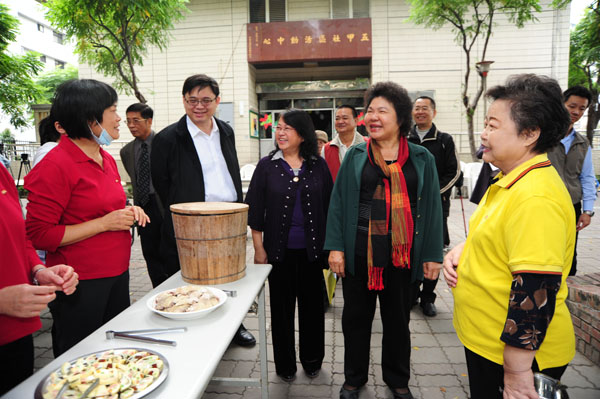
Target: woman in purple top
x,y
288,198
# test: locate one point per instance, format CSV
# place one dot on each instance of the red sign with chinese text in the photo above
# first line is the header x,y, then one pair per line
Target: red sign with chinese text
x,y
322,40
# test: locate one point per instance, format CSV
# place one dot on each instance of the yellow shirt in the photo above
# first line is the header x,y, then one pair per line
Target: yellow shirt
x,y
524,223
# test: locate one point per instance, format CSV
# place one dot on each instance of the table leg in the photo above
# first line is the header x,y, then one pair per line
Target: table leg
x,y
262,342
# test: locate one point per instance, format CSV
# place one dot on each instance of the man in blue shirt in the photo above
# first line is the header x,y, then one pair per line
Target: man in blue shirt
x,y
572,158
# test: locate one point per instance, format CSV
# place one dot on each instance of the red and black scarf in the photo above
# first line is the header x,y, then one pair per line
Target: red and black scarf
x,y
390,201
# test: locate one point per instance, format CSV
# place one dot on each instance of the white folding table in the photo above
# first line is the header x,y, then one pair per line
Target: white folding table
x,y
199,350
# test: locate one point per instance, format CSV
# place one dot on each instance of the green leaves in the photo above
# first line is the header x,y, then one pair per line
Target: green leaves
x,y
49,81
114,37
17,89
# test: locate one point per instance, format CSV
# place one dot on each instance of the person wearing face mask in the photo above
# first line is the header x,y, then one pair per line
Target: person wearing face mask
x,y
77,211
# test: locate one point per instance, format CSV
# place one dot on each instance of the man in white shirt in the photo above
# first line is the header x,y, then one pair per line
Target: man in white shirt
x,y
195,160
346,119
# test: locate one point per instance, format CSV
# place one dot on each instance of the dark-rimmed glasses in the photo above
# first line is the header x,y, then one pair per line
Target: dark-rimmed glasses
x,y
206,101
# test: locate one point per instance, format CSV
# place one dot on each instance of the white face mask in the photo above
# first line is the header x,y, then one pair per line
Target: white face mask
x,y
104,139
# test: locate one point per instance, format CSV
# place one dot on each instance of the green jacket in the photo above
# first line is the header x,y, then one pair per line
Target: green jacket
x,y
342,217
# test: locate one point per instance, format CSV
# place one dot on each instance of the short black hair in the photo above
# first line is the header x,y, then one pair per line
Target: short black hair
x,y
578,91
201,81
431,100
48,132
536,102
144,109
80,101
302,122
350,107
398,97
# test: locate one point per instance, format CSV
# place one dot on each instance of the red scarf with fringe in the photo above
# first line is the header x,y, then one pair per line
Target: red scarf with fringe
x,y
390,199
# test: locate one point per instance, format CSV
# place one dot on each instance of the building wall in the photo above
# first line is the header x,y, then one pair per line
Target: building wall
x,y
212,40
423,59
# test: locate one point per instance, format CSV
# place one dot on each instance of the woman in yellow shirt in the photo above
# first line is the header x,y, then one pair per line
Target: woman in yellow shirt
x,y
508,279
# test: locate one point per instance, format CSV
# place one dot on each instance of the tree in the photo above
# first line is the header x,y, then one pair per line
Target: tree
x,y
472,20
584,63
49,81
17,88
114,36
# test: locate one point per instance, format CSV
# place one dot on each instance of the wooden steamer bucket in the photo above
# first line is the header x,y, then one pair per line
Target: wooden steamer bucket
x,y
211,241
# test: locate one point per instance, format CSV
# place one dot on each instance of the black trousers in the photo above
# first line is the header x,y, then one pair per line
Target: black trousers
x,y
573,270
357,320
16,363
93,303
297,278
445,230
150,240
486,378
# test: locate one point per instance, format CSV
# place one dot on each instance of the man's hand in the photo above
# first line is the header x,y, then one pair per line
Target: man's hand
x,y
431,270
583,222
337,263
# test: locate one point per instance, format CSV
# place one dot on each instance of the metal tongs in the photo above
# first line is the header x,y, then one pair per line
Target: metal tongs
x,y
139,335
85,394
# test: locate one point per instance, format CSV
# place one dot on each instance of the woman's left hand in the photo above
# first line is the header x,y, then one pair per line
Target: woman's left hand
x,y
63,277
139,215
519,385
431,270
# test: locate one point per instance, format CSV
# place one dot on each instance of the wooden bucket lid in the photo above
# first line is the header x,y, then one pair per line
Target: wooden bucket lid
x,y
208,208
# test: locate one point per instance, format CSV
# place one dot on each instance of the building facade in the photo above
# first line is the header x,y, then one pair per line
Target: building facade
x,y
268,55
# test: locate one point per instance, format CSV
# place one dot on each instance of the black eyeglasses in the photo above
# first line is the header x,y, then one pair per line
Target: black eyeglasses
x,y
135,121
195,101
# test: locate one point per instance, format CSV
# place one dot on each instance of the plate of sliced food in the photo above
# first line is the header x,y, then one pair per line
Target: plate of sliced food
x,y
187,302
116,373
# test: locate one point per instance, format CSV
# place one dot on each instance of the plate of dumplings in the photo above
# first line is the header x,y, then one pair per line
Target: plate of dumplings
x,y
187,302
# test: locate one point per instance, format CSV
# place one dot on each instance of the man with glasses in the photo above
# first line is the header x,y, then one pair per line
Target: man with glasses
x,y
136,159
441,146
195,160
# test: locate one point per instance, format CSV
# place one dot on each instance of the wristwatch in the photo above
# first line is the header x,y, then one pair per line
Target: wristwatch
x,y
33,276
589,213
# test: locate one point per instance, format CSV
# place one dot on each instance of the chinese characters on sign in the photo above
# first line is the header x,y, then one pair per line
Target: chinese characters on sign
x,y
335,39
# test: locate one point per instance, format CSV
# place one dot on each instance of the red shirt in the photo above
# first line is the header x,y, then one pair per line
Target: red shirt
x,y
67,188
17,257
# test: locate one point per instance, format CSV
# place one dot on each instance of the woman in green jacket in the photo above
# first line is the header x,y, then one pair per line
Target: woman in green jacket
x,y
384,231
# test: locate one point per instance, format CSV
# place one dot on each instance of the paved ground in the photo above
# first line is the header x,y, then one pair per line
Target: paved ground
x,y
437,361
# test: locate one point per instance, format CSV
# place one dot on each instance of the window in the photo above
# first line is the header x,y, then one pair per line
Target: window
x,y
58,37
349,9
43,58
40,27
59,64
267,10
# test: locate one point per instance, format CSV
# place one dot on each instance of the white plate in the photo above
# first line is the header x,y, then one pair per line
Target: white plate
x,y
222,296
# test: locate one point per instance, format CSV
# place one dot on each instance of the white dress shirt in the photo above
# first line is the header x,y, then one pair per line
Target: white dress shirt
x,y
218,184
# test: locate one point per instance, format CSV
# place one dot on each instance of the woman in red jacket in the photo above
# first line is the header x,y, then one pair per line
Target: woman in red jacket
x,y
77,211
26,286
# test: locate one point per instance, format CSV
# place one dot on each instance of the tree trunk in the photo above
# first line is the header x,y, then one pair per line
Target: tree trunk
x,y
139,95
593,118
471,133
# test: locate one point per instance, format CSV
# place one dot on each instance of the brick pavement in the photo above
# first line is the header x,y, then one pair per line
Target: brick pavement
x,y
437,362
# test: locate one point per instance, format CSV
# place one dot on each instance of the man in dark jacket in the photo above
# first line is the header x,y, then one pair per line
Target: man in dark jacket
x,y
136,159
441,145
195,160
